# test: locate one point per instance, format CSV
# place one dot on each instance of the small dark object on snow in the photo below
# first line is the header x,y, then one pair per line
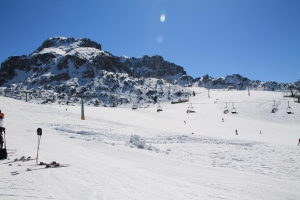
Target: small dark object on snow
x,y
236,132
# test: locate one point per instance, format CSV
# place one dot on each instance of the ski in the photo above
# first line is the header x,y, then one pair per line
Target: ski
x,y
22,159
49,167
46,166
14,173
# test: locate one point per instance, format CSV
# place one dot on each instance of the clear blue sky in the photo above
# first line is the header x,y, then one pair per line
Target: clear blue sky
x,y
259,39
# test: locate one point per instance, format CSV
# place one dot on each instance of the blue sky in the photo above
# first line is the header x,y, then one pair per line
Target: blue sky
x,y
259,39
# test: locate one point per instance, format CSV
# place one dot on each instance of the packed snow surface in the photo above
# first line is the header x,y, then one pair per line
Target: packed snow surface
x,y
120,153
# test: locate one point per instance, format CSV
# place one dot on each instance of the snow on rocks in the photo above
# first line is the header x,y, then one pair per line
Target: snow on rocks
x,y
137,141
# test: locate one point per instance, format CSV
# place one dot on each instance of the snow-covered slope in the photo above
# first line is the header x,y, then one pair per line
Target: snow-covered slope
x,y
180,155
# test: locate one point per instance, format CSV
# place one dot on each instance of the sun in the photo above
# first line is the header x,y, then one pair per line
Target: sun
x,y
162,18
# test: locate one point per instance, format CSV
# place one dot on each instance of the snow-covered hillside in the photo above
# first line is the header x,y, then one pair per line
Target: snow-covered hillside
x,y
120,153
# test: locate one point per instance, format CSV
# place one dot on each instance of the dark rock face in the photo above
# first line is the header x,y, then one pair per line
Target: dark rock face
x,y
40,59
110,63
155,67
88,43
9,67
64,62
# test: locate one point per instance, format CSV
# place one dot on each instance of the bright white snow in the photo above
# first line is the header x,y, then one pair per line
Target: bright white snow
x,y
180,155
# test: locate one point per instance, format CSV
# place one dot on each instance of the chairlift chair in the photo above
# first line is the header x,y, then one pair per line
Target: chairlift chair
x,y
289,109
226,110
233,110
192,109
188,109
134,107
159,108
274,108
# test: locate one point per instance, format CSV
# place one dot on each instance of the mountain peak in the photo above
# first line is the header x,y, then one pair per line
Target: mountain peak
x,y
68,43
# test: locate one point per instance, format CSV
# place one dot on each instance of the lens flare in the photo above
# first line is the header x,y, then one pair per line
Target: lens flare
x,y
163,15
159,39
162,18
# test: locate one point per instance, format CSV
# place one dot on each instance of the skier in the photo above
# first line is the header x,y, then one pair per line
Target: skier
x,y
222,119
3,152
1,138
1,118
260,132
185,122
299,142
236,132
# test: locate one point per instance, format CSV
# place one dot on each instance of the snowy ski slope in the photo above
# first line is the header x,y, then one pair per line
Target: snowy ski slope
x,y
183,156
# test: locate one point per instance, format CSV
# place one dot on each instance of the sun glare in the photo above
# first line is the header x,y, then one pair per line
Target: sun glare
x,y
162,18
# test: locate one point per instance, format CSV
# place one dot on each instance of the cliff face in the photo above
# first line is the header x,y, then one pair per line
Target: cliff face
x,y
154,67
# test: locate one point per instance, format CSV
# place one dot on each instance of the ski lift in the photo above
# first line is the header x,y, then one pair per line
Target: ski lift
x,y
191,109
226,109
274,108
135,106
289,110
159,108
233,110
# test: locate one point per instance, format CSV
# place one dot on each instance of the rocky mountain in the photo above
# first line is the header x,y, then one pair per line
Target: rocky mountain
x,y
63,69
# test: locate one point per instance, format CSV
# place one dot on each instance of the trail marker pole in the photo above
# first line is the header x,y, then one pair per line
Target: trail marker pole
x,y
82,109
82,104
39,133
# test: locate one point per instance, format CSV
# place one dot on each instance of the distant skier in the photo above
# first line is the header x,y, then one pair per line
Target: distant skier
x,y
260,132
222,119
184,122
236,132
299,142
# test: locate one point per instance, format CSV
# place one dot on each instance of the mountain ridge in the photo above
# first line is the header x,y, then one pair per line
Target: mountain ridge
x,y
67,68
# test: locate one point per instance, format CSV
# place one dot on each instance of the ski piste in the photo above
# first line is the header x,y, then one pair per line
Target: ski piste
x,y
22,159
53,164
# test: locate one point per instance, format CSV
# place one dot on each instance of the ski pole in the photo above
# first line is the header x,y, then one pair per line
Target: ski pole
x,y
39,133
